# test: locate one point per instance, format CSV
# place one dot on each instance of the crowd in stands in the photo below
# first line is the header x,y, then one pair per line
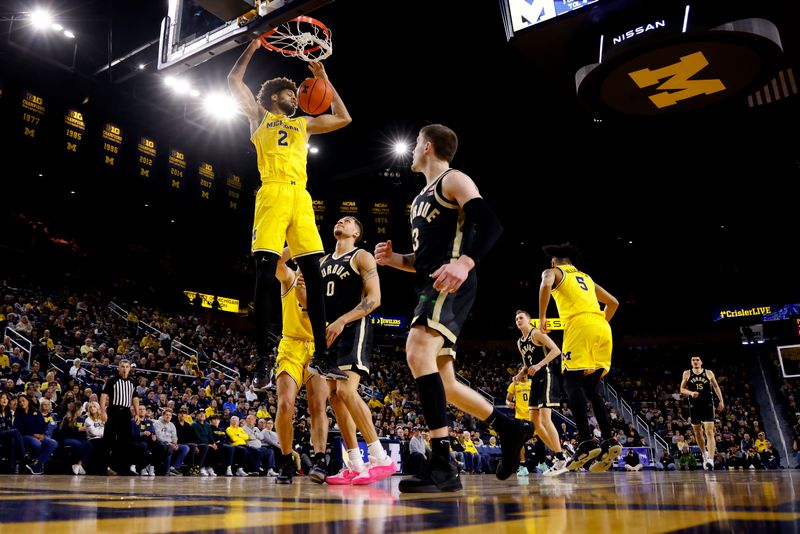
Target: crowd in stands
x,y
188,370
650,380
199,413
790,393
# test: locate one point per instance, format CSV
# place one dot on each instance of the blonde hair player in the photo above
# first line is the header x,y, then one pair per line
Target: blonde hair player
x,y
545,391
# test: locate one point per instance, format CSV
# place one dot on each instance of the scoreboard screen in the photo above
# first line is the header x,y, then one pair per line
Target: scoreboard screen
x,y
526,13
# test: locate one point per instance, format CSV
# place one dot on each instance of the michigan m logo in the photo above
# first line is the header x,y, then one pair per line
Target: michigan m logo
x,y
678,81
144,172
109,160
176,184
567,356
30,132
204,194
72,147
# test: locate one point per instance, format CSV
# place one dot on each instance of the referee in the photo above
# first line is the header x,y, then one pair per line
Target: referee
x,y
115,411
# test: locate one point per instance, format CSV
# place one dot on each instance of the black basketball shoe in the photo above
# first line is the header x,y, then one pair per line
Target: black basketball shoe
x,y
610,450
440,475
588,450
319,471
324,365
511,442
287,470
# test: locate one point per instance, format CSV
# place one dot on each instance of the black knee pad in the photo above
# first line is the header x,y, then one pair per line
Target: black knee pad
x,y
433,400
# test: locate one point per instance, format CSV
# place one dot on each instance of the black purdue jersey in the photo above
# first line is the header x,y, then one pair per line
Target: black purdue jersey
x,y
344,288
437,228
527,348
702,385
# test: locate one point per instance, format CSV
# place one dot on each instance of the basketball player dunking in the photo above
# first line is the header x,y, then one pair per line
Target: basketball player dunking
x,y
696,384
452,228
291,372
352,292
586,351
284,213
544,371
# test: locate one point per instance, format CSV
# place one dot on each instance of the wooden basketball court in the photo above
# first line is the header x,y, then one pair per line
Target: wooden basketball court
x,y
609,502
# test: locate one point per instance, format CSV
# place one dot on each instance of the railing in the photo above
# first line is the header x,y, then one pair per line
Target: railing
x,y
116,310
175,345
659,442
213,364
24,344
486,395
644,430
626,409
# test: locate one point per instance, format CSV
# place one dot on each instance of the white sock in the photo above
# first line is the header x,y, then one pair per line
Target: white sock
x,y
356,461
376,450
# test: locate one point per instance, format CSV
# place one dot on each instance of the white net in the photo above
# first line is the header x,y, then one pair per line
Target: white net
x,y
303,37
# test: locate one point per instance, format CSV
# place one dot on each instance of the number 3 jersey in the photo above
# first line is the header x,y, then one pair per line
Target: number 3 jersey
x,y
437,228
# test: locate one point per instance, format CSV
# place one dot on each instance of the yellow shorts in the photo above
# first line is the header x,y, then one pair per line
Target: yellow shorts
x,y
587,343
293,358
285,214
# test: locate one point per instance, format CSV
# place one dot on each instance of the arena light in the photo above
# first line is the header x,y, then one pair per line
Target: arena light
x,y
313,150
194,93
41,19
181,87
56,26
69,34
401,148
220,106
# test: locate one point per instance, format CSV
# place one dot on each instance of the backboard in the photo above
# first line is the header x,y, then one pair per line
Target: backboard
x,y
194,31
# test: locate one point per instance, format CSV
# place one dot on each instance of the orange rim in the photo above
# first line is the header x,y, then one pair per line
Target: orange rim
x,y
291,51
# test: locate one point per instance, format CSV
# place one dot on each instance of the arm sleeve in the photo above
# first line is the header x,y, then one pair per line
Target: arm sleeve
x,y
485,225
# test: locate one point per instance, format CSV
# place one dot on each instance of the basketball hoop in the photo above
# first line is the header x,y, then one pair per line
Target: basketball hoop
x,y
303,37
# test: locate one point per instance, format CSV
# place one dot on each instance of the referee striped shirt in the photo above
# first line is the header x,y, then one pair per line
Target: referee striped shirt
x,y
119,391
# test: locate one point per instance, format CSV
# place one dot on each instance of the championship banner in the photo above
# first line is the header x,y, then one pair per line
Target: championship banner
x,y
75,130
32,115
112,143
146,152
177,168
234,183
319,213
380,217
206,176
348,207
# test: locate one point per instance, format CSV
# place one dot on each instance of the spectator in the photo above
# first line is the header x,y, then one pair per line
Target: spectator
x,y
687,461
11,437
24,326
168,437
31,425
667,462
76,371
632,461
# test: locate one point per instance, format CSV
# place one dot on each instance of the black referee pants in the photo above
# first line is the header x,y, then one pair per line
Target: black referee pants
x,y
117,437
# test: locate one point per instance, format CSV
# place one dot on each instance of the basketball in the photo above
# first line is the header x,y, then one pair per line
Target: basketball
x,y
314,96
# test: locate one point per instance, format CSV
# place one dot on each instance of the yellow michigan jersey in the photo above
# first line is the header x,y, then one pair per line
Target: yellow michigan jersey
x,y
297,346
522,394
282,148
284,211
587,342
575,294
295,319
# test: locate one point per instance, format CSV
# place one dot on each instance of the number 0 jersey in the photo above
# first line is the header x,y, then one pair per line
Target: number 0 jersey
x,y
282,148
344,288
